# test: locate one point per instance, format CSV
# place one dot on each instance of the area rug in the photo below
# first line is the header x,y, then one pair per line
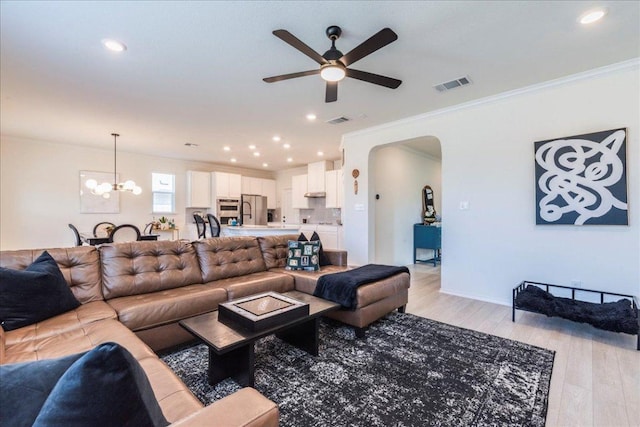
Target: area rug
x,y
408,371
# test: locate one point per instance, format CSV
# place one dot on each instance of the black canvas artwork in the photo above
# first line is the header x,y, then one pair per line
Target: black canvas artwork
x,y
582,179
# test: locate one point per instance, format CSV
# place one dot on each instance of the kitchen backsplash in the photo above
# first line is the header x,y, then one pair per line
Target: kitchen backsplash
x,y
318,214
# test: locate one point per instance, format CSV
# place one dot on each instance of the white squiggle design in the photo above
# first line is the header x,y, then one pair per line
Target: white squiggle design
x,y
580,185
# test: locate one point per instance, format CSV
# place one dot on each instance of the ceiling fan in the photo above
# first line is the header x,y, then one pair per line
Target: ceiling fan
x,y
333,64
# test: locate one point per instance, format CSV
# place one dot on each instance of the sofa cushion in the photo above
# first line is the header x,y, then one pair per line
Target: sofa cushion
x,y
303,255
76,341
135,268
80,267
106,387
24,387
275,249
171,305
34,294
250,284
224,257
74,319
305,281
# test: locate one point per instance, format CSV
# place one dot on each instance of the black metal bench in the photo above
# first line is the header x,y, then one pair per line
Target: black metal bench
x,y
616,316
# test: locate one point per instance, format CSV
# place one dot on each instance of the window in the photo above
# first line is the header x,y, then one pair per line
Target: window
x,y
163,187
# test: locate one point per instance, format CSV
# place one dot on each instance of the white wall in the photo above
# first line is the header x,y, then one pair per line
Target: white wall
x,y
399,174
39,190
487,160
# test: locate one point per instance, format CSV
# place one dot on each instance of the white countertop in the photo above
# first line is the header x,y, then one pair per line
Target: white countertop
x,y
257,230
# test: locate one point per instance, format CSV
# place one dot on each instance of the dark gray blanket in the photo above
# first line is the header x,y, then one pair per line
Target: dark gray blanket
x,y
342,287
616,316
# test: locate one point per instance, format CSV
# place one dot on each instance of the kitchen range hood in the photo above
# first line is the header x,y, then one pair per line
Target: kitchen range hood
x,y
315,195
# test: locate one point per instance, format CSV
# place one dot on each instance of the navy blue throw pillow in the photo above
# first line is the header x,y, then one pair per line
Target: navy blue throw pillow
x,y
34,294
24,387
105,387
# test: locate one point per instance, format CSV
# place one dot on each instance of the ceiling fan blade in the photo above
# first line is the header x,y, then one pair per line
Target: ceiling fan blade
x,y
287,37
376,79
373,43
332,92
290,76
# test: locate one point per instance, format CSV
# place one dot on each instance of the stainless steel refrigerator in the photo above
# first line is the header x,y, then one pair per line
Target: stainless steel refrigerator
x,y
253,209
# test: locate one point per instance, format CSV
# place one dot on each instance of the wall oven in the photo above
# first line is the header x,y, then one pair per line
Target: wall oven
x,y
227,209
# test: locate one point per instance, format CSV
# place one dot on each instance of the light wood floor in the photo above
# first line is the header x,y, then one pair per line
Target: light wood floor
x,y
596,374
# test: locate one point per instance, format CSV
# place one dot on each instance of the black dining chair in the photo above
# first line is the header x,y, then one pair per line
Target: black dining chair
x,y
124,233
201,226
214,225
76,234
147,229
102,229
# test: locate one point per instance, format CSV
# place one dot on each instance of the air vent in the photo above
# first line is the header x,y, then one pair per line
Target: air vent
x,y
338,120
462,81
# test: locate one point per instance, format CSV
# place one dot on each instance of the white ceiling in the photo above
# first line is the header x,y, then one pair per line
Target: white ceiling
x,y
193,70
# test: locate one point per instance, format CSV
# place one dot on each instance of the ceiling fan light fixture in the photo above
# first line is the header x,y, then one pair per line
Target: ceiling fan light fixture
x,y
114,45
333,72
593,15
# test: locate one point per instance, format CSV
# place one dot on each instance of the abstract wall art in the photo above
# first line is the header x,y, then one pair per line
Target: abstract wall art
x,y
582,179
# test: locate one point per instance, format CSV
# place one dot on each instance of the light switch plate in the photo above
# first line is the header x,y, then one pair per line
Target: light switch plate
x,y
359,207
464,206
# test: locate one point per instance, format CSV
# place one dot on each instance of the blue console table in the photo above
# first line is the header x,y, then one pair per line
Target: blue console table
x,y
427,237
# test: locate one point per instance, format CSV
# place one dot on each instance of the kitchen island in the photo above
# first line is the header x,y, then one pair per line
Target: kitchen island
x,y
258,230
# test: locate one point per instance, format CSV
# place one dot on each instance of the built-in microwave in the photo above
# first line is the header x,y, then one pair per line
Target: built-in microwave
x,y
228,209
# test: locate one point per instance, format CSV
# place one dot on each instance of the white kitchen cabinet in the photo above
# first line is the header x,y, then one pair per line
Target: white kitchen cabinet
x,y
328,236
334,188
198,189
269,190
226,185
251,185
298,189
316,176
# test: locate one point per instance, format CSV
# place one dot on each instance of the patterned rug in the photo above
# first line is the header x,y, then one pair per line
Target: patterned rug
x,y
408,371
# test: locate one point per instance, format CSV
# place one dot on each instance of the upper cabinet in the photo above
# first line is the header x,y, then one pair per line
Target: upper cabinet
x,y
298,189
251,185
269,190
334,183
316,176
198,189
261,187
226,185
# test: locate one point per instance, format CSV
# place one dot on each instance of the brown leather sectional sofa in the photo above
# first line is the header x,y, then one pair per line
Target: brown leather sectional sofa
x,y
135,293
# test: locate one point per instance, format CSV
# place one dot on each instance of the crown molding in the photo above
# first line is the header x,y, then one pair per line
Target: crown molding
x,y
585,75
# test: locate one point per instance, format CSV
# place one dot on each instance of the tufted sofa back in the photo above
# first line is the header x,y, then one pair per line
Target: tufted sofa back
x,y
223,257
80,266
275,249
134,268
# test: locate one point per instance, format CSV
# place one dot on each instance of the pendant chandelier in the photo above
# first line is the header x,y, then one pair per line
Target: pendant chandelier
x,y
106,188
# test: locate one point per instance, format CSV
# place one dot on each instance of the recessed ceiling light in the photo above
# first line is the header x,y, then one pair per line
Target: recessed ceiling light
x,y
252,147
276,138
114,45
226,148
593,15
320,153
289,159
233,160
264,165
311,117
256,153
287,146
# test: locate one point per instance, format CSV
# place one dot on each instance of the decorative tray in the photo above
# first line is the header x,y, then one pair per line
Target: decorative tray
x,y
261,311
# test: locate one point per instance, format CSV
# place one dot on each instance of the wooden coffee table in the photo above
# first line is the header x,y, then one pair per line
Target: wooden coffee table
x,y
231,348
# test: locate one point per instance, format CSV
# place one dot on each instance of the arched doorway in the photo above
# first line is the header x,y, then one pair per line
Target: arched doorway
x,y
399,171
